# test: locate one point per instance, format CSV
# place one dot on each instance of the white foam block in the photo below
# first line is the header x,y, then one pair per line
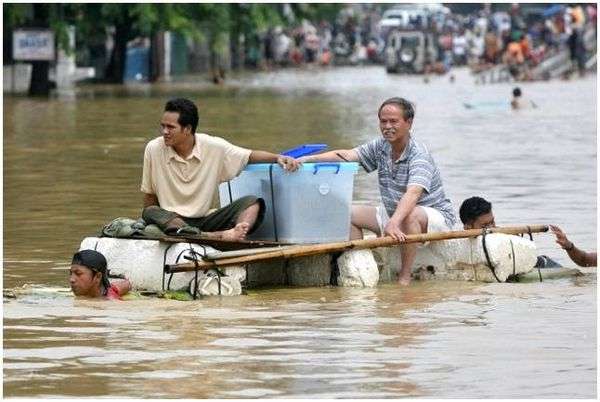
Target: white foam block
x,y
142,261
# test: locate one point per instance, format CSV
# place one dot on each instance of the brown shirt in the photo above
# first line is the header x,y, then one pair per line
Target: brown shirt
x,y
188,186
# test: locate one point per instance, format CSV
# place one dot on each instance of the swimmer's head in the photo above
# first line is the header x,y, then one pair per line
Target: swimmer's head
x,y
517,92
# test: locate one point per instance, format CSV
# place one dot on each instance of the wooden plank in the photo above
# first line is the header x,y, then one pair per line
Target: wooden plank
x,y
218,255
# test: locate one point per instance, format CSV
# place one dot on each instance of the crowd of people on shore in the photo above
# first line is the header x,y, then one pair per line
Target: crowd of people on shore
x,y
509,39
519,39
349,40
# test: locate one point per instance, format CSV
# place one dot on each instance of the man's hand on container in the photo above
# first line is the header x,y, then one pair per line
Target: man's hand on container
x,y
288,163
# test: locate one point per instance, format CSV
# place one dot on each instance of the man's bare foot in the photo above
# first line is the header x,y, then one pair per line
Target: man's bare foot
x,y
404,281
238,232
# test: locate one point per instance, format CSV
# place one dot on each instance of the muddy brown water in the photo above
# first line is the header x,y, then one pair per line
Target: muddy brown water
x,y
72,164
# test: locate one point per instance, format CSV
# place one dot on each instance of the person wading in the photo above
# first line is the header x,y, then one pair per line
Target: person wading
x,y
476,213
88,277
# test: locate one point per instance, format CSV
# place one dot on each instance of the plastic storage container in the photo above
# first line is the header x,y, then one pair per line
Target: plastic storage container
x,y
311,205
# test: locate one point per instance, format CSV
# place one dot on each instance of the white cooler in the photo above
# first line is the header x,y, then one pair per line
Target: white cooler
x,y
311,205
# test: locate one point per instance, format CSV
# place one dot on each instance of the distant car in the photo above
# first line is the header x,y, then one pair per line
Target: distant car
x,y
408,17
409,52
411,17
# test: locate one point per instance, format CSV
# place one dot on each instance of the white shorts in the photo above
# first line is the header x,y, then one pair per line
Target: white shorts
x,y
435,219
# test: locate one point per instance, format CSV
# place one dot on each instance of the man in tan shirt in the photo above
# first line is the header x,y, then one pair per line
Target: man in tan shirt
x,y
182,172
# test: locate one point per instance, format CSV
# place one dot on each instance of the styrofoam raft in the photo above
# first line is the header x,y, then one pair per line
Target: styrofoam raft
x,y
357,268
464,259
141,261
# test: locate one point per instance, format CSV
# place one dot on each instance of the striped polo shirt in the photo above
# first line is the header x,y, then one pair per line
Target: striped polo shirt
x,y
414,167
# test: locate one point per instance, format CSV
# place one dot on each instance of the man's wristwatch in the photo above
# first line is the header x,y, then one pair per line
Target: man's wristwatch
x,y
571,247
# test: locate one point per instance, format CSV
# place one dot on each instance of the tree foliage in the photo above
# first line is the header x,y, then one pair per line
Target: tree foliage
x,y
221,24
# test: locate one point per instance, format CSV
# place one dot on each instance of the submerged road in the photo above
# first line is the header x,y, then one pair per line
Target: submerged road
x,y
71,165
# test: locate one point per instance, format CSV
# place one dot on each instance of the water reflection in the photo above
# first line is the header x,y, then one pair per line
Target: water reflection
x,y
330,341
429,340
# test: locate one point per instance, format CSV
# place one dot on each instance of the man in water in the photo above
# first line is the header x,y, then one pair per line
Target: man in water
x,y
518,102
413,198
181,174
88,277
476,213
579,257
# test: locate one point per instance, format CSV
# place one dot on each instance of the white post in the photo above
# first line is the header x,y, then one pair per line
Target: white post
x,y
167,55
65,64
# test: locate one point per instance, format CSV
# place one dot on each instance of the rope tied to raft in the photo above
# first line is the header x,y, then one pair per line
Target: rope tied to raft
x,y
528,232
194,257
219,275
193,252
514,259
531,238
165,266
484,232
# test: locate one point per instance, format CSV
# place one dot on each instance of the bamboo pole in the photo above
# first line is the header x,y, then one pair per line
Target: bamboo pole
x,y
324,248
219,255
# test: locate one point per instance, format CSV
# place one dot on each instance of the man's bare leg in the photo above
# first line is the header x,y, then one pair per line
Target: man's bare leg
x,y
175,223
245,221
249,215
415,223
363,217
238,232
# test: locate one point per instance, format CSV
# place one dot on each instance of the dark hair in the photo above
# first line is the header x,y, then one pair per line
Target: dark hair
x,y
94,261
517,91
472,208
188,112
408,109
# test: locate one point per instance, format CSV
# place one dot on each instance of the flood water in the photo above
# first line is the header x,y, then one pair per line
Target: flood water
x,y
72,164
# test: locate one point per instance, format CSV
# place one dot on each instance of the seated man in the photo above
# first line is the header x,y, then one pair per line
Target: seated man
x,y
476,213
579,257
413,197
88,277
181,174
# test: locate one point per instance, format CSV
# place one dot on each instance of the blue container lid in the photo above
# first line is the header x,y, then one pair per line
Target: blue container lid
x,y
304,149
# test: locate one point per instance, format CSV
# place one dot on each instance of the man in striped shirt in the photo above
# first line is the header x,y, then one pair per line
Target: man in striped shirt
x,y
413,198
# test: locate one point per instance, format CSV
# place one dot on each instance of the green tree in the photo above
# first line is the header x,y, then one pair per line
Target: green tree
x,y
251,19
317,11
222,25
